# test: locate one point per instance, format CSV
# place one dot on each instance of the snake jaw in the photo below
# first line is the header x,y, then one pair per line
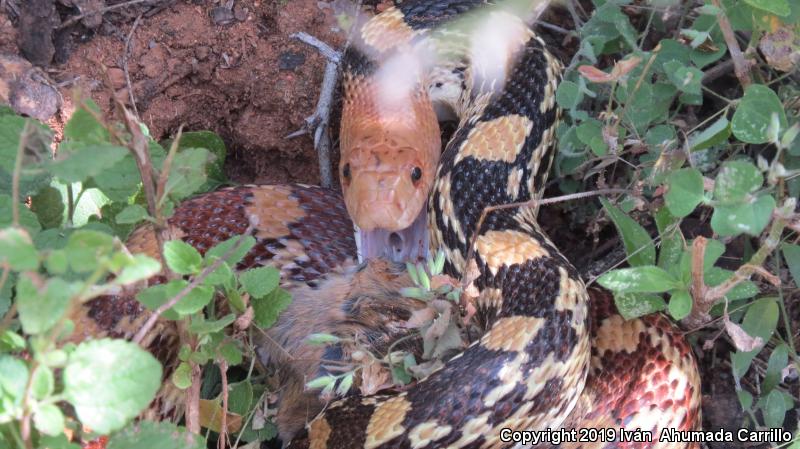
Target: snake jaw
x,y
409,244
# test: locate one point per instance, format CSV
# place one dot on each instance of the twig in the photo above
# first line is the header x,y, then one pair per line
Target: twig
x,y
197,280
325,49
705,297
125,54
739,63
193,399
74,19
320,119
138,146
165,169
23,142
222,441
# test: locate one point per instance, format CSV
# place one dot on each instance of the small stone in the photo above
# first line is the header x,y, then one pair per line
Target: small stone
x,y
240,12
290,60
123,96
202,52
117,77
221,15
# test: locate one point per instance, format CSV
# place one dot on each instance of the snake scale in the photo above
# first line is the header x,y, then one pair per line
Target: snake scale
x,y
551,355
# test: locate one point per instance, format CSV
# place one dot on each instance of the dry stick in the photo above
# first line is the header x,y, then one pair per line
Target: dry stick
x,y
23,142
74,19
139,147
319,120
222,441
739,64
125,54
197,280
705,297
531,203
164,176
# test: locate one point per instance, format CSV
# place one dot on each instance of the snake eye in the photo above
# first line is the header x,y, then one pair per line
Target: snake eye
x,y
416,174
346,171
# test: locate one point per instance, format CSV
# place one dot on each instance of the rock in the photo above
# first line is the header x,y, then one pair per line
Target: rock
x,y
26,89
154,61
222,15
117,77
240,12
123,96
37,20
202,52
290,60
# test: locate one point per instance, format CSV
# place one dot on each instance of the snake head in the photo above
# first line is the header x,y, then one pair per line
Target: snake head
x,y
387,170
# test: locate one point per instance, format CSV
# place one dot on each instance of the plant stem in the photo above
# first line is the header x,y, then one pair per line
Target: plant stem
x,y
23,142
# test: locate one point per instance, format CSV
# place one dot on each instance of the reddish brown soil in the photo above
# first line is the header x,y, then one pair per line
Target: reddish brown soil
x,y
243,78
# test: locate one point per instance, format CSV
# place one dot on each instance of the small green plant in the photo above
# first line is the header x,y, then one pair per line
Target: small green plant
x,y
724,156
65,248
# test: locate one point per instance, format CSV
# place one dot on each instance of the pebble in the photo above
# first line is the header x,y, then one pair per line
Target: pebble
x,y
117,77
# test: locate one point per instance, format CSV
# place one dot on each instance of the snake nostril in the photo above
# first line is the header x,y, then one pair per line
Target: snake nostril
x,y
396,242
346,172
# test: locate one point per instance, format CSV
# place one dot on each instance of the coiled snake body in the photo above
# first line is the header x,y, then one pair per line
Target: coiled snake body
x,y
548,358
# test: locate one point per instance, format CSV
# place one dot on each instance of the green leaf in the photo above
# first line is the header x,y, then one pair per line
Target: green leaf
x,y
56,442
759,320
715,134
778,360
240,397
155,435
40,307
187,172
48,419
747,218
777,7
27,219
638,244
686,79
87,248
82,125
590,133
220,249
568,95
231,353
77,163
680,304
120,181
774,409
634,305
735,181
181,257
214,144
139,268
131,214
268,308
109,382
685,191
322,339
201,326
42,382
17,250
222,275
153,297
260,281
646,279
48,205
14,378
182,377
792,255
751,121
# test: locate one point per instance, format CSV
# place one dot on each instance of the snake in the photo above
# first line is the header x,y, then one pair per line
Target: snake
x,y
551,355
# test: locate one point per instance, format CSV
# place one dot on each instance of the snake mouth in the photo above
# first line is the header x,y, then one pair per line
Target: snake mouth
x,y
405,245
